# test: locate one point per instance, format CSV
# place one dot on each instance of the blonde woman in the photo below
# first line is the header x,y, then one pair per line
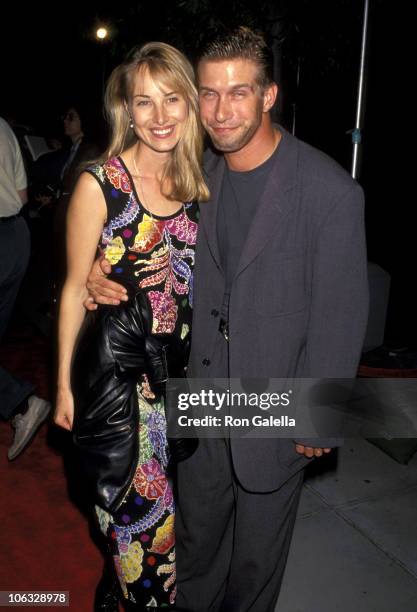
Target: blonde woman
x,y
139,205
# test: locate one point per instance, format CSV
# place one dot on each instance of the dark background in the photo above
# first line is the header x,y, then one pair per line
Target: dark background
x,y
50,55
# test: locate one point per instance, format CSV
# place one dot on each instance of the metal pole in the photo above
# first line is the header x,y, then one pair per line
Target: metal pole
x,y
294,105
357,132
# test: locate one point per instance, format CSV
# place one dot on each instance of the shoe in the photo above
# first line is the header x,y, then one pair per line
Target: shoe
x,y
27,424
384,361
385,357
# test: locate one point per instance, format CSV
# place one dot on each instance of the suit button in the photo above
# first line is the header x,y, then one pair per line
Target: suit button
x,y
215,313
206,362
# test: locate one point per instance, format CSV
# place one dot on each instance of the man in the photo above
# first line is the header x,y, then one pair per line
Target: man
x,y
280,291
16,396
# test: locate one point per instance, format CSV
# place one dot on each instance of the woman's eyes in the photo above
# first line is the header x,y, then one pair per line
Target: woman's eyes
x,y
170,100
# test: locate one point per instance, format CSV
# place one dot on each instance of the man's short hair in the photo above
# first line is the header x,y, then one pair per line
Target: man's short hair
x,y
242,43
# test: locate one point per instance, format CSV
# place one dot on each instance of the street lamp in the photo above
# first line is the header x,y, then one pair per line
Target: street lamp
x,y
101,33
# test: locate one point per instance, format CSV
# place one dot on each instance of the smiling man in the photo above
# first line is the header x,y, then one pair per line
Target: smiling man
x,y
232,105
280,291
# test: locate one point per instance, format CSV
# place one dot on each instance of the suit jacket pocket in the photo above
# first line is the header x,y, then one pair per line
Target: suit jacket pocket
x,y
280,285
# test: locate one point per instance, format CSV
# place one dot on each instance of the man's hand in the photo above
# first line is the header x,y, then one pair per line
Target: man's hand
x,y
309,451
102,290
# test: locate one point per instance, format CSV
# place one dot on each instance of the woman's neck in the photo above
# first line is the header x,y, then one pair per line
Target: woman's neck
x,y
150,164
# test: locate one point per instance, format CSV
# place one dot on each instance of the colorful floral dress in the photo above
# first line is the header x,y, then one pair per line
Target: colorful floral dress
x,y
155,254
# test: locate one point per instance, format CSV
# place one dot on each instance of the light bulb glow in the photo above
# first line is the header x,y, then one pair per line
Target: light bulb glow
x,y
101,33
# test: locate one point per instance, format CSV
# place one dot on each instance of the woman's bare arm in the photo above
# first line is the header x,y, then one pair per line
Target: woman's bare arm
x,y
85,221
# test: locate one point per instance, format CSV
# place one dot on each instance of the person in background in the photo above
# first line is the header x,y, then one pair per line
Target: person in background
x,y
75,124
17,399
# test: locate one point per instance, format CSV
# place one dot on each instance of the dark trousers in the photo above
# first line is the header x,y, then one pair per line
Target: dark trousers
x,y
14,257
232,545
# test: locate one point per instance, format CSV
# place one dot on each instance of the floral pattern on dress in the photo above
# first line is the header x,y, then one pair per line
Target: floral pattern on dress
x,y
164,538
169,568
131,562
116,175
126,216
148,236
169,268
158,251
157,436
185,230
104,519
164,309
120,575
150,481
115,250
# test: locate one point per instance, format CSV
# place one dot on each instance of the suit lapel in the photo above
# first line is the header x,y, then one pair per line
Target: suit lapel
x,y
214,168
275,202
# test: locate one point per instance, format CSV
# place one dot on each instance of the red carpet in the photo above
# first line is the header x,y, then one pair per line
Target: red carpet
x,y
369,372
45,538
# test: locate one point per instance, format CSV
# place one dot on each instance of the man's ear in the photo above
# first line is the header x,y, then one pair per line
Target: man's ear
x,y
270,95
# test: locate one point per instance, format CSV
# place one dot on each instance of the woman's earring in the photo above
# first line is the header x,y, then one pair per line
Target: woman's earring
x,y
131,123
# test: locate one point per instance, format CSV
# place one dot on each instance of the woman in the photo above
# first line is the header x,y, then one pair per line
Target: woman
x,y
142,201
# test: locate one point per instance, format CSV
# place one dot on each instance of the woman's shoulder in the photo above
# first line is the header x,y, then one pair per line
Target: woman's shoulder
x,y
101,166
110,170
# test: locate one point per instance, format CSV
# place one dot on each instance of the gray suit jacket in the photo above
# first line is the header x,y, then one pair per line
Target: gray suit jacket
x,y
299,300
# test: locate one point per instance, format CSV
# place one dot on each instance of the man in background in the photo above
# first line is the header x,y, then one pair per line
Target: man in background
x,y
17,400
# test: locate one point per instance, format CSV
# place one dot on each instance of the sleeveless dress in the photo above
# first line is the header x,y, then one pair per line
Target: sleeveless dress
x,y
155,255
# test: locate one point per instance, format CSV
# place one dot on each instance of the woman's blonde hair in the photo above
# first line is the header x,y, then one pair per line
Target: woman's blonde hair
x,y
183,171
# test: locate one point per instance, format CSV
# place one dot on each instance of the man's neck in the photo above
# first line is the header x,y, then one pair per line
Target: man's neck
x,y
260,148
